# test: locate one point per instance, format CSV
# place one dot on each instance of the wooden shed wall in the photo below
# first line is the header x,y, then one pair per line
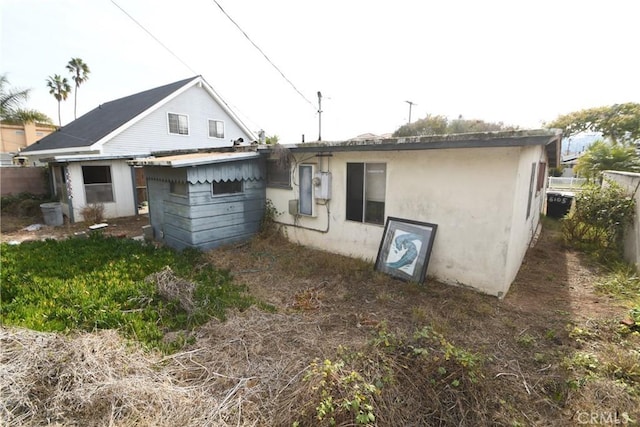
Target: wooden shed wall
x,y
204,221
200,219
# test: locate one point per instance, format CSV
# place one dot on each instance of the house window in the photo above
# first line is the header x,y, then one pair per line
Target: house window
x,y
279,173
178,124
542,176
98,186
306,189
366,192
226,187
178,188
531,184
216,129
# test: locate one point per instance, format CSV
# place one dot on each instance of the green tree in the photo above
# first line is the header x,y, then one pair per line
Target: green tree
x,y
618,122
58,87
430,125
272,140
601,156
439,125
11,105
80,72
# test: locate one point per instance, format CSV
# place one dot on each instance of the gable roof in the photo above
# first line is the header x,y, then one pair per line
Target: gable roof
x,y
89,131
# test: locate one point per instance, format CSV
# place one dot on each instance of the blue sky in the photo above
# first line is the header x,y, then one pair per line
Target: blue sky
x,y
519,62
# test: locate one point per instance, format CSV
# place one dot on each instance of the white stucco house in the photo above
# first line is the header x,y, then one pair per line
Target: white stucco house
x,y
485,192
88,157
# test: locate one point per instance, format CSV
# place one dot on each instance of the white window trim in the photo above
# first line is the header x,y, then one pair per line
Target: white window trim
x,y
223,128
169,126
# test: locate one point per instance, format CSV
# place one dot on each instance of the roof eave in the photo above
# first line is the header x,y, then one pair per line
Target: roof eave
x,y
489,139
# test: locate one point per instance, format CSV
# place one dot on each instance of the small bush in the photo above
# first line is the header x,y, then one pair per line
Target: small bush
x,y
93,213
23,204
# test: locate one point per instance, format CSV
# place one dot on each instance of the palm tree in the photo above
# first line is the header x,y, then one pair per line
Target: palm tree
x,y
10,105
10,99
58,87
601,156
80,72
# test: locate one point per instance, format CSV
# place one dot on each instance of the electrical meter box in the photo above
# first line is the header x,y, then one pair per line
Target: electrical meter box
x,y
323,185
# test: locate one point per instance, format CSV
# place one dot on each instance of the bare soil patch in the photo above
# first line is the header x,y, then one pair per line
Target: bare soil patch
x,y
250,369
13,229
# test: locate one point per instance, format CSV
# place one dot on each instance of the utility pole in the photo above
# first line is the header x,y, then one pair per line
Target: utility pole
x,y
319,116
410,105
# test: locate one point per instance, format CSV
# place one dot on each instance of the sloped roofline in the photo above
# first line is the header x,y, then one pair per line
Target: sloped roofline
x,y
97,145
199,80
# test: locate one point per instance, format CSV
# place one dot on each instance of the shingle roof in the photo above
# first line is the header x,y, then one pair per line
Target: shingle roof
x,y
106,118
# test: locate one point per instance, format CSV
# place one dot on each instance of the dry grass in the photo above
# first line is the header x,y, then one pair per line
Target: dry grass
x,y
174,288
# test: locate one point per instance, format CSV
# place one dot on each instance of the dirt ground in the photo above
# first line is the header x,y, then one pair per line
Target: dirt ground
x,y
13,229
325,301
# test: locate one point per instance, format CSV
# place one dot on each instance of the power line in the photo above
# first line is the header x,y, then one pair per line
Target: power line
x,y
155,38
263,54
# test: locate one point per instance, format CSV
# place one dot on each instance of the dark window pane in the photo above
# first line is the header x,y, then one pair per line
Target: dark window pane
x,y
278,173
96,174
355,191
226,187
374,212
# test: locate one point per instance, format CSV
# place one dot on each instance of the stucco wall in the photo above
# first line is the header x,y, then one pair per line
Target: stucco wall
x,y
472,194
631,183
523,228
123,196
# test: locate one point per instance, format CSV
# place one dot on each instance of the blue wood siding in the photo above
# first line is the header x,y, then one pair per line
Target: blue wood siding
x,y
203,220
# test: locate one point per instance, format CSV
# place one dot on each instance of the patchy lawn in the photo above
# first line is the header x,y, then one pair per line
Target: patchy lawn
x,y
350,346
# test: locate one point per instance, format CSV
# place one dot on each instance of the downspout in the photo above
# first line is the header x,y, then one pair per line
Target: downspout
x,y
135,189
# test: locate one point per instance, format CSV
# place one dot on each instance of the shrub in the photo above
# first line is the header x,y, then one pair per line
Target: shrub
x,y
598,220
93,212
23,204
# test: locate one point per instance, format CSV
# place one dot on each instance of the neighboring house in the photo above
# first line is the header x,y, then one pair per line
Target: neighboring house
x,y
17,136
568,163
205,200
484,191
88,157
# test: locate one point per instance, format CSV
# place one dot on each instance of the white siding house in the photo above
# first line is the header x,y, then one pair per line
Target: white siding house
x,y
88,157
485,192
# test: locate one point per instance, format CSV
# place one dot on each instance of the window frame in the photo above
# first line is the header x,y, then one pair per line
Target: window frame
x,y
96,185
216,136
358,207
227,183
282,168
172,188
178,115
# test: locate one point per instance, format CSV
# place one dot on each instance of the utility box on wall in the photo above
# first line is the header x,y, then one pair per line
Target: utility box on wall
x,y
323,185
293,207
